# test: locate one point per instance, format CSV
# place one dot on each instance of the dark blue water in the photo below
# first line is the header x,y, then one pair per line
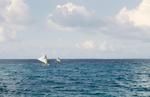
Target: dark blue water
x,y
75,78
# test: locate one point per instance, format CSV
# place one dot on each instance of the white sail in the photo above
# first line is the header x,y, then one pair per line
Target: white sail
x,y
58,60
43,59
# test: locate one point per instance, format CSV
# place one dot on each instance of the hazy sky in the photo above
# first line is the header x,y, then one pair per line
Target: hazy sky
x,y
75,28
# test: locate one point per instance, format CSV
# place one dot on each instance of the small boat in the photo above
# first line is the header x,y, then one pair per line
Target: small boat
x,y
43,59
58,60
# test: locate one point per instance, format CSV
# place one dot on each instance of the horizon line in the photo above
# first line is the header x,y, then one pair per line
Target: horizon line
x,y
75,58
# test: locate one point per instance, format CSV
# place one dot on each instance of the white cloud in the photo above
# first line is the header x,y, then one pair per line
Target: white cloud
x,y
13,17
70,8
88,44
104,46
92,45
139,16
76,18
73,16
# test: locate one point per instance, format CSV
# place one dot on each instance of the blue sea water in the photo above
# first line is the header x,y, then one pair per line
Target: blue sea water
x,y
75,78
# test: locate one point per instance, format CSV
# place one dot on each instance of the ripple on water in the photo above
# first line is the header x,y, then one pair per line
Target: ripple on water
x,y
75,78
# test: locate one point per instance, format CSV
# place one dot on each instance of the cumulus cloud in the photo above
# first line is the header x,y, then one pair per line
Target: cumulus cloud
x,y
73,16
88,44
125,25
139,16
105,46
13,18
92,45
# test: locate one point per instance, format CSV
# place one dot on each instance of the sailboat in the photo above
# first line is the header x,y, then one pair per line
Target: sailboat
x,y
58,60
43,59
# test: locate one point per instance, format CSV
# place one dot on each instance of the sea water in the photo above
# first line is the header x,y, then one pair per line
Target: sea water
x,y
75,78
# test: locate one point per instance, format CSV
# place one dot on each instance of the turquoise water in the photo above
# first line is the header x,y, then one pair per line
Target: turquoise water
x,y
75,78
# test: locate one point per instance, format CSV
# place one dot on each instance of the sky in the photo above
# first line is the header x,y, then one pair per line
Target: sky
x,y
98,29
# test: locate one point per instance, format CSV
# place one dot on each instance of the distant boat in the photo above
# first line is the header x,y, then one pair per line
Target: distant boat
x,y
43,59
58,60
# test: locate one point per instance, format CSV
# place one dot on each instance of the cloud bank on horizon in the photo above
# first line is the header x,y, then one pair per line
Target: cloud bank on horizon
x,y
78,31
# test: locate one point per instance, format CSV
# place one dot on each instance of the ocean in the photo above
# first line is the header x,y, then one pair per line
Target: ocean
x,y
75,78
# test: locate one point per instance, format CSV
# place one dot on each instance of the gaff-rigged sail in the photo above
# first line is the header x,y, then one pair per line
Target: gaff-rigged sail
x,y
43,59
58,60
